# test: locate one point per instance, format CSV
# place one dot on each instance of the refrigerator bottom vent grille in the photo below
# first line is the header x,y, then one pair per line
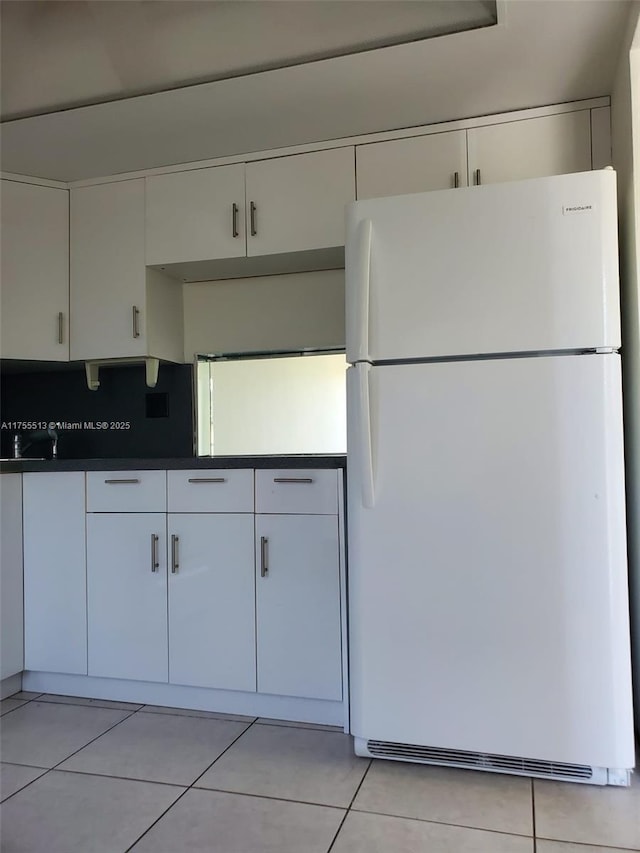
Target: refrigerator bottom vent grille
x,y
479,760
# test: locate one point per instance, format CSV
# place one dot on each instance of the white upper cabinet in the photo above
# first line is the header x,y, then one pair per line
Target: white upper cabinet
x,y
437,161
297,203
118,308
196,215
35,272
107,271
530,148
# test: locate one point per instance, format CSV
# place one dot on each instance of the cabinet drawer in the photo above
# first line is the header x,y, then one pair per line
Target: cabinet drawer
x,y
297,491
126,491
210,490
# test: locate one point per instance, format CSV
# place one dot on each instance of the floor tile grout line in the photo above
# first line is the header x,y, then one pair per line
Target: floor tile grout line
x,y
159,818
120,778
225,750
110,707
24,787
270,797
444,823
56,766
93,740
348,809
149,828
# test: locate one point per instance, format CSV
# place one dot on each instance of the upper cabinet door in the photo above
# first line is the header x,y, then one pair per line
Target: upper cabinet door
x,y
415,165
108,281
297,203
532,148
196,215
35,272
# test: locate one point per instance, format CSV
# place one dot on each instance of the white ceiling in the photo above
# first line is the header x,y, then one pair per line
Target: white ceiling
x,y
540,53
60,54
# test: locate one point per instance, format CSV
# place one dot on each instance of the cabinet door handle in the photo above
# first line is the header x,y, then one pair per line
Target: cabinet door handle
x,y
120,482
264,555
478,178
456,180
154,552
135,316
252,218
293,479
234,220
207,480
174,554
60,327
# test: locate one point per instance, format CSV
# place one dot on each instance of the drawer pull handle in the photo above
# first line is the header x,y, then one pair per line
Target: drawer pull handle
x,y
60,327
456,180
207,480
252,218
234,220
174,554
264,553
154,552
121,482
293,479
478,178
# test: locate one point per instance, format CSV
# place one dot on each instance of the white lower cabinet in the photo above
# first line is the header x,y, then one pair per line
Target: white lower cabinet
x,y
11,613
127,595
298,606
212,601
55,587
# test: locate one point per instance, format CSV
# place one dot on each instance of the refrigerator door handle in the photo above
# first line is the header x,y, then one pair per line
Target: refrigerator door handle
x,y
357,289
365,444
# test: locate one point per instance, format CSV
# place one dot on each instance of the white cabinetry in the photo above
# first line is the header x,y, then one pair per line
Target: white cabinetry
x,y
55,603
118,308
298,584
297,203
435,161
221,587
289,205
530,148
211,579
35,272
196,215
212,601
127,595
127,574
11,618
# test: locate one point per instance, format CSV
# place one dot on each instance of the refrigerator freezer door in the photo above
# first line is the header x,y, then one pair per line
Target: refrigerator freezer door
x,y
515,267
488,585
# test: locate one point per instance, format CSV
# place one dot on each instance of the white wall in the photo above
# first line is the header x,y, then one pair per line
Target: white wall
x,y
278,312
625,127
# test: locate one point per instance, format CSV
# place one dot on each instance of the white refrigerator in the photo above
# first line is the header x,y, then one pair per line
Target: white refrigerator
x,y
488,600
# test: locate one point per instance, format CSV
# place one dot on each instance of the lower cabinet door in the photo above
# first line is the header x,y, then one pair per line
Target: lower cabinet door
x,y
298,606
127,595
55,579
212,601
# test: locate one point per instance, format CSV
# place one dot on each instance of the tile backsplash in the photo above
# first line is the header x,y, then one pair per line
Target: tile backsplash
x,y
122,419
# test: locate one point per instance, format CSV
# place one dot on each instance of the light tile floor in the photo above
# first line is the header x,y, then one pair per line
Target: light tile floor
x,y
92,776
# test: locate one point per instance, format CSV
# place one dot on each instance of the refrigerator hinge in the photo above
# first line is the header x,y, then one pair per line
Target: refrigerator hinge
x,y
603,350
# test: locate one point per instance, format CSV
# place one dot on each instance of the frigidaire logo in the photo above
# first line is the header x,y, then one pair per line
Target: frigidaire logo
x,y
576,208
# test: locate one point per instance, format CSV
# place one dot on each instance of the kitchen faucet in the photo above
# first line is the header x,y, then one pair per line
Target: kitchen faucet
x,y
19,445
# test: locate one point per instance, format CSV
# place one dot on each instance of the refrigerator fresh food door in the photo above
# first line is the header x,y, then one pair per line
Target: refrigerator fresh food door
x,y
487,562
515,267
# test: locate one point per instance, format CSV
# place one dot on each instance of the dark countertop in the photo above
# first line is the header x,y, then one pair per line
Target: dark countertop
x,y
301,461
